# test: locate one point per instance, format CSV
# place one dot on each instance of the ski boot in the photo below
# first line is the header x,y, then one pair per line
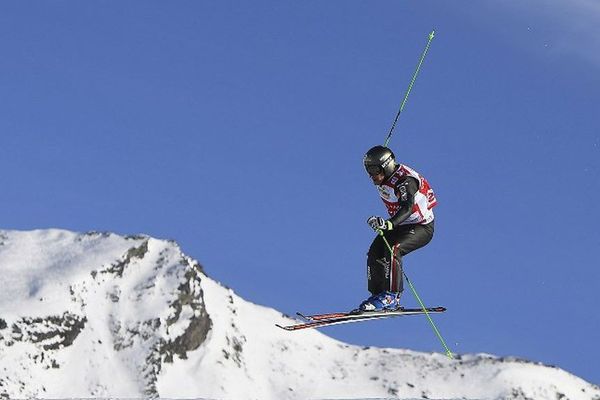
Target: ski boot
x,y
384,301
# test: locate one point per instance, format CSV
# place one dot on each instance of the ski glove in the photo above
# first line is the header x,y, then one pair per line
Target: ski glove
x,y
379,224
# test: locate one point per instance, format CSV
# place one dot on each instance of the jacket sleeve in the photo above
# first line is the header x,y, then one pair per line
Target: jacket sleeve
x,y
406,198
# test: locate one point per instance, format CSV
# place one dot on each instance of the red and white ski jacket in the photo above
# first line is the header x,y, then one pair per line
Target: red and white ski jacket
x,y
393,192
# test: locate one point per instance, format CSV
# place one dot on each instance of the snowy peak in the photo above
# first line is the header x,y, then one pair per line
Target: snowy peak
x,y
134,316
89,305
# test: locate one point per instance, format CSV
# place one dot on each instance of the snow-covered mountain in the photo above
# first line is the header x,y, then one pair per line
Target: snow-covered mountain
x,y
101,315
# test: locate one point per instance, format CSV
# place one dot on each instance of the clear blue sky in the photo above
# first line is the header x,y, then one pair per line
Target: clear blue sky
x,y
238,129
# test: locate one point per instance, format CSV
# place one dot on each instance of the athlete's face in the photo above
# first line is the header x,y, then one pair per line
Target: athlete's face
x,y
376,173
378,178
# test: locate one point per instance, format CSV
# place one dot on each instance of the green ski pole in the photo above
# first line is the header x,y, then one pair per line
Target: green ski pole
x,y
435,329
412,82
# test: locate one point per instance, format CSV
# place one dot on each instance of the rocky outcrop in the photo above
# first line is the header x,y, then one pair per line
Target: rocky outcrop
x,y
51,333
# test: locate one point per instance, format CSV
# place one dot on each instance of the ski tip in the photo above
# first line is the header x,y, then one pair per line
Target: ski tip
x,y
289,327
302,315
282,327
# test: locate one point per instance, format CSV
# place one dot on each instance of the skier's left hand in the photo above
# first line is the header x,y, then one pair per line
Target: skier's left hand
x,y
379,224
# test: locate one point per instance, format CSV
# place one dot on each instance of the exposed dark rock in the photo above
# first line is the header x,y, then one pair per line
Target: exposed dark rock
x,y
136,237
52,332
93,234
199,325
194,335
134,252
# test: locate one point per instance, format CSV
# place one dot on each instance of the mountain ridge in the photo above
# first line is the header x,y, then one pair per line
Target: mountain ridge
x,y
133,316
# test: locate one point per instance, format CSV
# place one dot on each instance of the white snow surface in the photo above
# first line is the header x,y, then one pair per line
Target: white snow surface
x,y
100,315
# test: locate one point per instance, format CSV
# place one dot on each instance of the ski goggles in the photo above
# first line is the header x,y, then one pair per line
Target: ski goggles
x,y
374,169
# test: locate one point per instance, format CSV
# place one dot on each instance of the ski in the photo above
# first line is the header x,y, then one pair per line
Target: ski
x,y
315,317
319,320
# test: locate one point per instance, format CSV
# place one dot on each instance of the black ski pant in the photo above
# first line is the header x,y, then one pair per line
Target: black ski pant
x,y
385,272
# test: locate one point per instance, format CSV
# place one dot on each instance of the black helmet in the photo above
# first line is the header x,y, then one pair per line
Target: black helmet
x,y
380,159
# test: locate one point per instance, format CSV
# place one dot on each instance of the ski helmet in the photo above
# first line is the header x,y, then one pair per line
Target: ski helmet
x,y
380,159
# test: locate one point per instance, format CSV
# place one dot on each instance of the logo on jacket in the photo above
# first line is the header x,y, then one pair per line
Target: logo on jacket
x,y
403,193
384,192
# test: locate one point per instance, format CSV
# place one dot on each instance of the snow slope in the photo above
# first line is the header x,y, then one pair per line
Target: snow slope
x,y
101,315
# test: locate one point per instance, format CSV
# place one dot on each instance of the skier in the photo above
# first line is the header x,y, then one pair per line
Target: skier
x,y
409,201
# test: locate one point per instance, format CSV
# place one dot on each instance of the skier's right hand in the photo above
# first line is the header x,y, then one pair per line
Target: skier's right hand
x,y
379,224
